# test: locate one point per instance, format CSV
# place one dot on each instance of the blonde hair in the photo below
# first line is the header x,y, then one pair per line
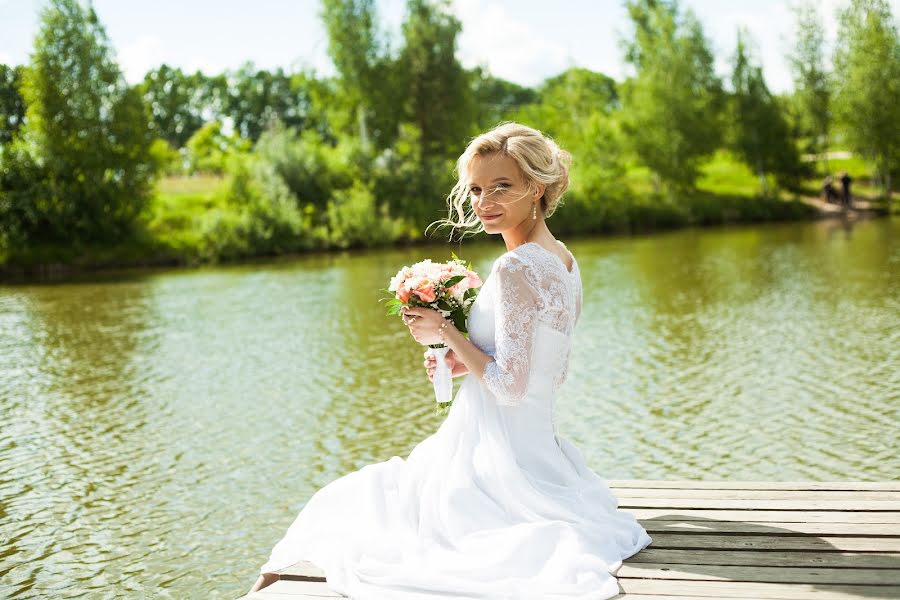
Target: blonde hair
x,y
540,161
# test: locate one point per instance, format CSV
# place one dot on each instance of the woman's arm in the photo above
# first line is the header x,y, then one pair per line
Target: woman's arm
x,y
425,328
471,356
517,308
457,367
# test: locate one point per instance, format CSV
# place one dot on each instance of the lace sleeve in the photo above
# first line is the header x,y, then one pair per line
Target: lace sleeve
x,y
517,305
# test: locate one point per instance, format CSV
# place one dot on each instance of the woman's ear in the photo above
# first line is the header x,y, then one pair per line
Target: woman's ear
x,y
540,190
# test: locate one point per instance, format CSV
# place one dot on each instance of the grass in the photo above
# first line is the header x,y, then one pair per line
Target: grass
x,y
173,218
173,226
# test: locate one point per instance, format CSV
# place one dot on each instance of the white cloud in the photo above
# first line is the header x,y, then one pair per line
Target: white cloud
x,y
201,63
139,56
507,46
5,59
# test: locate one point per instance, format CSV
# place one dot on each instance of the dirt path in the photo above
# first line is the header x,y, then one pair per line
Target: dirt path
x,y
862,207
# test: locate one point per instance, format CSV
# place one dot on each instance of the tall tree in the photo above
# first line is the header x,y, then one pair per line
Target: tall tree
x,y
577,107
176,102
576,93
12,105
867,80
812,86
257,97
673,104
497,98
760,132
367,71
81,168
438,100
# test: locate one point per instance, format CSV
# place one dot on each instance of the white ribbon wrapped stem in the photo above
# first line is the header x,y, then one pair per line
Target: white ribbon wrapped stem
x,y
443,379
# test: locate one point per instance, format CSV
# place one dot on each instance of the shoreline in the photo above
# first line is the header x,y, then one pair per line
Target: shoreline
x,y
862,209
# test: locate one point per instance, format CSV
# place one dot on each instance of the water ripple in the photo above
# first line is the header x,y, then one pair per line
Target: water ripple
x,y
159,431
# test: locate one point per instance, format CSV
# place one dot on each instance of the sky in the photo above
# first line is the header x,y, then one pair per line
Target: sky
x,y
524,41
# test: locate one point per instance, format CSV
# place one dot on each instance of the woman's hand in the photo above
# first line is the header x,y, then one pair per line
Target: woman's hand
x,y
424,324
456,366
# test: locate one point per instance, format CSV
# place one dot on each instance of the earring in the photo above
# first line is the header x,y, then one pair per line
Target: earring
x,y
533,211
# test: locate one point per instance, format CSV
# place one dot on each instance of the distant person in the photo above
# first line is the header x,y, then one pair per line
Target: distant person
x,y
829,193
845,189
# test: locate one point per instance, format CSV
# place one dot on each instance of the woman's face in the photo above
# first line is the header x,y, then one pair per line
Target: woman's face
x,y
499,196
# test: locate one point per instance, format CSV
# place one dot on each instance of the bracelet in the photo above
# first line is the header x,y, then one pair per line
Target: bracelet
x,y
441,331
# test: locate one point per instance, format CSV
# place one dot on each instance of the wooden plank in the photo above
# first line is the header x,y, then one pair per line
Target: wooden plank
x,y
759,503
791,540
771,574
283,589
783,516
853,497
771,528
755,485
302,571
759,542
672,595
742,589
864,560
264,595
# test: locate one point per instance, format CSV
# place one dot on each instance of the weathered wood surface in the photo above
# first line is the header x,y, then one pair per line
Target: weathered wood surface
x,y
752,539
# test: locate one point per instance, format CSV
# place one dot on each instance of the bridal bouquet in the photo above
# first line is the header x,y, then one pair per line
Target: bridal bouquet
x,y
448,287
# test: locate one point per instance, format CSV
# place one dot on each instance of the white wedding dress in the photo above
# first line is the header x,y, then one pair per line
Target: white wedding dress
x,y
494,505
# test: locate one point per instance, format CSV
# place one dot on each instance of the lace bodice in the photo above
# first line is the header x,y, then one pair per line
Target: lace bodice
x,y
524,317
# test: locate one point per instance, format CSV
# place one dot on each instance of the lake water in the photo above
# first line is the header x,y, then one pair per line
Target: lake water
x,y
159,430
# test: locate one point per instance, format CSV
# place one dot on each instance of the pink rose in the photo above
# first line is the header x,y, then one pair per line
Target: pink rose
x,y
426,293
474,280
403,293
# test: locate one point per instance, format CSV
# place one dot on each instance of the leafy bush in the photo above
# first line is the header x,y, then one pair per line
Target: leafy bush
x,y
209,149
311,168
80,169
354,220
412,184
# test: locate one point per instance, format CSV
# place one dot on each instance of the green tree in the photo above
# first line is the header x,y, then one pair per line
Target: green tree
x,y
760,133
176,101
257,97
812,86
368,73
867,80
436,86
12,105
311,167
580,109
673,105
566,101
496,99
209,148
414,185
81,169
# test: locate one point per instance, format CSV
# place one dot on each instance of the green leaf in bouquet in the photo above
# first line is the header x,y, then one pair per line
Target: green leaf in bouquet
x,y
444,305
470,293
393,305
459,320
453,281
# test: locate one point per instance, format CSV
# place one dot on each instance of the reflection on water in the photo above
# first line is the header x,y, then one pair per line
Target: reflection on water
x,y
160,430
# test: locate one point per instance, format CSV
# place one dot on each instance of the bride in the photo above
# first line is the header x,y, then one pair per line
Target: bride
x,y
495,504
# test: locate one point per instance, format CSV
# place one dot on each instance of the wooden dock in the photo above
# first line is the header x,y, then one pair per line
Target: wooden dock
x,y
787,540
